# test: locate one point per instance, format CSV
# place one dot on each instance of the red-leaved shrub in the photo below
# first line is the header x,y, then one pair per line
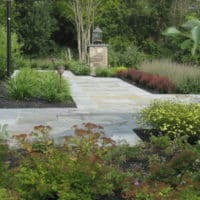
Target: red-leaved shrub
x,y
162,84
134,75
155,82
145,79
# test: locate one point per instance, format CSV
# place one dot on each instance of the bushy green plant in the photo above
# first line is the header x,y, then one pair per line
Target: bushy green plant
x,y
152,48
186,41
190,34
29,83
173,118
171,171
51,90
104,72
79,68
109,72
8,195
35,25
75,171
129,57
91,166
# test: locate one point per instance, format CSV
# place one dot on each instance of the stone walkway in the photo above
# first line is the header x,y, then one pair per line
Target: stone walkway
x,y
109,102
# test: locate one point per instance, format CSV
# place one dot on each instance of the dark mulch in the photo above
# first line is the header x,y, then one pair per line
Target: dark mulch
x,y
145,135
116,196
6,102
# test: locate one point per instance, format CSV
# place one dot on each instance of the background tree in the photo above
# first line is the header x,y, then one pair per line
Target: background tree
x,y
35,26
83,15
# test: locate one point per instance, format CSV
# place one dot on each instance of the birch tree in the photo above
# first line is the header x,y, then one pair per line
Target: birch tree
x,y
83,15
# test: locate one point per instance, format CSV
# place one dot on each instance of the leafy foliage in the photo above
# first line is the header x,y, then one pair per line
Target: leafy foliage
x,y
187,39
122,55
30,83
104,72
35,26
79,68
74,171
109,72
173,118
91,166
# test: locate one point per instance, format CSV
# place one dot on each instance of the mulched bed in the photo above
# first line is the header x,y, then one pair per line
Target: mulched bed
x,y
6,102
145,135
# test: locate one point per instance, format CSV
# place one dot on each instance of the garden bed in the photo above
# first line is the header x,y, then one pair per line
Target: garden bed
x,y
155,83
145,135
100,170
140,86
7,102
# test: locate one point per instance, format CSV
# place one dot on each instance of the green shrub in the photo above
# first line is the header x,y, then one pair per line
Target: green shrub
x,y
105,72
79,68
109,72
35,26
150,47
173,118
50,88
91,166
185,57
128,56
75,171
30,83
7,195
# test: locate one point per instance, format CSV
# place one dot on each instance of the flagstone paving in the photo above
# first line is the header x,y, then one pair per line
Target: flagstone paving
x,y
109,102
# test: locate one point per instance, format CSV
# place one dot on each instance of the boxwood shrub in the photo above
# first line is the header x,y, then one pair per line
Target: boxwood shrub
x,y
173,118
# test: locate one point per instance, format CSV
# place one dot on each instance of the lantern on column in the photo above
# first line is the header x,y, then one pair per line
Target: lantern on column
x,y
97,36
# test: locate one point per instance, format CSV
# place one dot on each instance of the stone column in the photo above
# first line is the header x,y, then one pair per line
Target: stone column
x,y
98,56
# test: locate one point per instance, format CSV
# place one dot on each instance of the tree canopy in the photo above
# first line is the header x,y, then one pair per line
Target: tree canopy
x,y
44,25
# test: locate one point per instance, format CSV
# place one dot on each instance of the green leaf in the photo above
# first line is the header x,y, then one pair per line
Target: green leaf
x,y
186,44
191,24
195,35
172,31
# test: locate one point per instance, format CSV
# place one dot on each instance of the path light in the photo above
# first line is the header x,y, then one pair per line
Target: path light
x,y
97,36
53,60
60,70
8,24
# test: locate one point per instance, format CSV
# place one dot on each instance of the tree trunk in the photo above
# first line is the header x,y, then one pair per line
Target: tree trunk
x,y
83,11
